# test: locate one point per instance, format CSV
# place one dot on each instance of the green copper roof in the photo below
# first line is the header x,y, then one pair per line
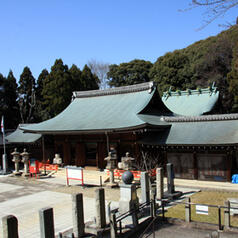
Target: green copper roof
x,y
191,102
203,130
18,136
111,109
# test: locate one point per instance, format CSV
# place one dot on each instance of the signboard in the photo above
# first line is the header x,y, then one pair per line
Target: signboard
x,y
74,173
202,209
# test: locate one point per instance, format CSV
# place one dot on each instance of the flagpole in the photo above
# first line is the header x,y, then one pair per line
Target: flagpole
x,y
4,157
4,142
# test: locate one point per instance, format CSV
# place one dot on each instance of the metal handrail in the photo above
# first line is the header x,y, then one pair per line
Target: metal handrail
x,y
128,213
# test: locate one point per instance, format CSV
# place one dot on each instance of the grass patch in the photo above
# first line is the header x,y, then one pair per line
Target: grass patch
x,y
207,198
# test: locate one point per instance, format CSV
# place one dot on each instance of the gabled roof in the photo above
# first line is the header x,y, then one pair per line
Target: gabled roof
x,y
191,102
18,136
112,109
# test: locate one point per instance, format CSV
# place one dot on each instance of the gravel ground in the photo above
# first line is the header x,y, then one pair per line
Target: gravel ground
x,y
32,185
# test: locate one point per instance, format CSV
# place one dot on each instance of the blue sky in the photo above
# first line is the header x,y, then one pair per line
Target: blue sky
x,y
35,33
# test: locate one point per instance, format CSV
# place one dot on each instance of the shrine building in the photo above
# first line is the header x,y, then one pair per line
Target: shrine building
x,y
179,127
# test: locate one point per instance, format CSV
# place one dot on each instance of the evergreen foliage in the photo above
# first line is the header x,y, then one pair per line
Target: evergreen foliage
x,y
39,114
134,72
26,95
12,115
56,90
89,80
233,80
60,83
173,69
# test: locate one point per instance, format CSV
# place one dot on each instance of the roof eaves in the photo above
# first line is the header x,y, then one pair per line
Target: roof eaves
x,y
97,131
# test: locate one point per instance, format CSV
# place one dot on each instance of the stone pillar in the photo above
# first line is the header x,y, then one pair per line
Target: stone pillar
x,y
16,159
78,215
128,197
170,178
113,226
153,203
215,234
145,187
100,208
187,210
47,229
9,227
159,183
227,222
4,164
25,159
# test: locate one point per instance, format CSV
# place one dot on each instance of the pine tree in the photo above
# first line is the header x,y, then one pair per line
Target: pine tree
x,y
12,117
76,76
39,114
8,101
57,89
26,91
89,80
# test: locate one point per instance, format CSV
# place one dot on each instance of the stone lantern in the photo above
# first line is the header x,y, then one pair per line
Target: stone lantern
x,y
16,159
111,165
25,159
127,162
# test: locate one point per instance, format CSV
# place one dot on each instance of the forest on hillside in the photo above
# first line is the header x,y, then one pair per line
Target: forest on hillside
x,y
213,60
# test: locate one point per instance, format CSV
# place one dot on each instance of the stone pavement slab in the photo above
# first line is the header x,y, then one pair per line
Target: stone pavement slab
x,y
8,187
26,208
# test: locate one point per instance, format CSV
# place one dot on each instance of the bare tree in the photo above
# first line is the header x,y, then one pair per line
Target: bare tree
x,y
100,69
214,9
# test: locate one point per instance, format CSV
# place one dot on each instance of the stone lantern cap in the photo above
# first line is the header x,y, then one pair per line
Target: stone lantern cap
x,y
111,161
25,153
127,157
110,157
15,152
127,162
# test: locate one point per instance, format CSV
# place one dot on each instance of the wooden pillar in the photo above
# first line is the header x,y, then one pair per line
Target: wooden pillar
x,y
195,166
136,151
67,154
43,148
101,155
108,143
228,165
80,154
165,156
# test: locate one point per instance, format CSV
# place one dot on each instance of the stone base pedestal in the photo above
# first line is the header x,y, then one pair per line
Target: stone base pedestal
x,y
175,194
17,173
112,185
129,201
25,174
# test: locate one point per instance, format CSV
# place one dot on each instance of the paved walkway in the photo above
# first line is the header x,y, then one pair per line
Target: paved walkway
x,y
24,199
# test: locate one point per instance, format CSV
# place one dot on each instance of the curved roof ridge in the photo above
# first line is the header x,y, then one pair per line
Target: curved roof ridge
x,y
216,117
187,92
113,91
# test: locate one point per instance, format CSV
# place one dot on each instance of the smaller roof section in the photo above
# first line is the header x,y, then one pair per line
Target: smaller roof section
x,y
199,130
18,136
191,102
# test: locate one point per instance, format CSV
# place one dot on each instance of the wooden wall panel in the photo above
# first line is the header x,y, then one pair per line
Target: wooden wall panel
x,y
80,154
